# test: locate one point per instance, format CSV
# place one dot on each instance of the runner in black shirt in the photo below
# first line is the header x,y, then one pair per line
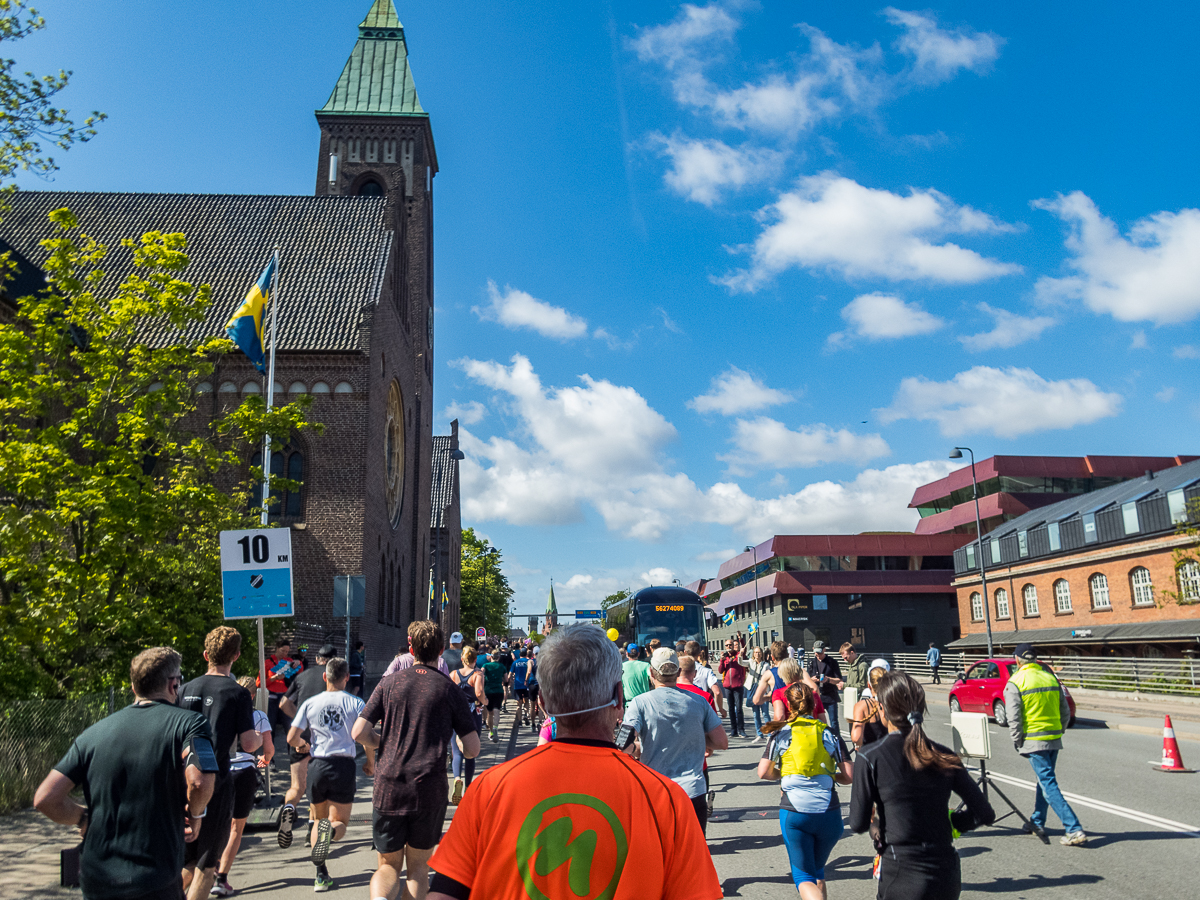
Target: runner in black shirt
x,y
230,713
307,684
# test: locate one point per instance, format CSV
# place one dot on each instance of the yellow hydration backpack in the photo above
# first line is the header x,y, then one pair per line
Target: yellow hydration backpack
x,y
806,755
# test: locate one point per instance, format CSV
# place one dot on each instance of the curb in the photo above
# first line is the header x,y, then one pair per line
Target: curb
x,y
1156,732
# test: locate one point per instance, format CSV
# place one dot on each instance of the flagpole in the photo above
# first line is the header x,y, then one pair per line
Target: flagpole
x,y
262,697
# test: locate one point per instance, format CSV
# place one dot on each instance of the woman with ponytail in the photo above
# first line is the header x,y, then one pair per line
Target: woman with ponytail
x,y
809,757
908,779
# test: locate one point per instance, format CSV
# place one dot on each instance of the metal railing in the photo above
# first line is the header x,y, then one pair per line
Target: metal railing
x,y
1103,673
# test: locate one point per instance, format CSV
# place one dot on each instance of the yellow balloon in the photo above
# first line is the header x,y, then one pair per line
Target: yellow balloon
x,y
613,634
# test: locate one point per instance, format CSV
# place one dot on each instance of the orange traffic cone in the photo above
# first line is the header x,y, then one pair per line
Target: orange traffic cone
x,y
1171,760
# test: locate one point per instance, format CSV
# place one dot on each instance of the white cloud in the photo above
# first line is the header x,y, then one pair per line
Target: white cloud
x,y
658,575
734,392
881,316
766,443
715,555
674,45
1006,402
516,309
1152,275
938,54
466,413
1009,330
1186,351
701,169
576,581
834,223
1138,341
1166,395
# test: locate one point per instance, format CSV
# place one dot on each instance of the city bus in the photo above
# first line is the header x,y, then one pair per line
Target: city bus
x,y
669,614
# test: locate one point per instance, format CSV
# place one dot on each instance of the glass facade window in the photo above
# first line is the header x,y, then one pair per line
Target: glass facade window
x,y
1023,544
908,634
970,556
1188,575
1055,540
1143,587
1177,504
1029,594
1129,515
1098,585
1089,528
1002,610
976,607
995,545
1062,596
858,636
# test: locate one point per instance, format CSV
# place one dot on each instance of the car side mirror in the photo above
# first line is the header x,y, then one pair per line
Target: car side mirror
x,y
960,677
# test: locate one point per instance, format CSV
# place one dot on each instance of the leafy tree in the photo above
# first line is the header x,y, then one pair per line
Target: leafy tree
x,y
112,487
616,609
1185,557
28,115
485,591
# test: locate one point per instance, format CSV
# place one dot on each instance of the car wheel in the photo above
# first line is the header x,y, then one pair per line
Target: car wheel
x,y
1001,715
955,706
1071,724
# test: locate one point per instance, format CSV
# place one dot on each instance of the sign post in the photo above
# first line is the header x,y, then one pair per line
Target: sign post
x,y
256,583
349,599
480,633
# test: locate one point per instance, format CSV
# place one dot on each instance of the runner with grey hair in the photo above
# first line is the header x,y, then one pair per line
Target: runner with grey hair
x,y
648,843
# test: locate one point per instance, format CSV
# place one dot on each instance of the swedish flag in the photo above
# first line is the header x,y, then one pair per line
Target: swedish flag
x,y
245,328
753,627
445,596
728,618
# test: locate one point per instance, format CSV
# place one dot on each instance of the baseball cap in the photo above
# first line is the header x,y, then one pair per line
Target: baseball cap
x,y
631,647
1025,651
665,661
818,646
328,651
456,638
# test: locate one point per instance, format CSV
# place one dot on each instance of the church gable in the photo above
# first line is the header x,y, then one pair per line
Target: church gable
x,y
335,252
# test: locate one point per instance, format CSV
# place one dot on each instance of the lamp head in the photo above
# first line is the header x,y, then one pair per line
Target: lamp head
x,y
749,549
955,453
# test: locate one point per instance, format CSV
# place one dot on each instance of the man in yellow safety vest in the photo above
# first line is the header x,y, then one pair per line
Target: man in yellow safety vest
x,y
1038,712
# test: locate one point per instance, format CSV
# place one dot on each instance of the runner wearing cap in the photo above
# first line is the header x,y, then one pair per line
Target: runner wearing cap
x,y
635,673
452,655
825,670
674,729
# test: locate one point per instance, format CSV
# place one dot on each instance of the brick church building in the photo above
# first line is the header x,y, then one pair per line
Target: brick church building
x,y
355,332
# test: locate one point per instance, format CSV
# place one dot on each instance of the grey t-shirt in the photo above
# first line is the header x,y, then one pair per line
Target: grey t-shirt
x,y
672,725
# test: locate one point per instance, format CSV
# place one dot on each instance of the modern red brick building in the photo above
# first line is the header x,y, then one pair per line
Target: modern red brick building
x,y
1111,572
1010,486
355,333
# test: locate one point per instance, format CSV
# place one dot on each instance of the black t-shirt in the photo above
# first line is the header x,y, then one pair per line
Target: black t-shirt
x,y
453,658
130,766
830,669
421,709
226,705
507,659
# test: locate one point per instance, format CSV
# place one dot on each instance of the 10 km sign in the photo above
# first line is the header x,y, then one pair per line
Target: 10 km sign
x,y
256,573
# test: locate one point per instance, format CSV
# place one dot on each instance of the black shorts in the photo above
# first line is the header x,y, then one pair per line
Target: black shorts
x,y
331,779
522,693
494,701
205,852
354,685
533,692
245,787
295,756
421,831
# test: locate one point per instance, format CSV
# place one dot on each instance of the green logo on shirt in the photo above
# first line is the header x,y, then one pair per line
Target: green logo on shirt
x,y
595,855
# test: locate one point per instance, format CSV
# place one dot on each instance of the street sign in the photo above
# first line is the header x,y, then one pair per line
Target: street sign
x,y
357,586
480,633
256,573
589,614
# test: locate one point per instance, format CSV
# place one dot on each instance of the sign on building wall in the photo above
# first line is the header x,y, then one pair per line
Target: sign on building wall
x,y
256,573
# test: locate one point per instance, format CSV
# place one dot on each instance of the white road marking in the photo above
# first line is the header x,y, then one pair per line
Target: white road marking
x,y
1104,806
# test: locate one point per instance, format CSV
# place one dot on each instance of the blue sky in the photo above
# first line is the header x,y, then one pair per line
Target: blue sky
x,y
710,272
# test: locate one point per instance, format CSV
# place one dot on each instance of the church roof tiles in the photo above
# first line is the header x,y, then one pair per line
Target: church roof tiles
x,y
333,251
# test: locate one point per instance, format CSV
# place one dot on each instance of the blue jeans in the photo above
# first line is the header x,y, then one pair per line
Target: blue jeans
x,y
1048,795
810,838
831,711
762,715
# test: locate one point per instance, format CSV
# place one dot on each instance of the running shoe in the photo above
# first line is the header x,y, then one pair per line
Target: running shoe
x,y
492,736
320,850
221,888
456,790
287,818
712,795
1074,839
322,882
1030,828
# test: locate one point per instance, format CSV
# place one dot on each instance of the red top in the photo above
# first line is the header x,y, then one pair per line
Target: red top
x,y
733,671
780,695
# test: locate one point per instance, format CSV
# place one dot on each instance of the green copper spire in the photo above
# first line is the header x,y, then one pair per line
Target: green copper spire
x,y
551,606
377,80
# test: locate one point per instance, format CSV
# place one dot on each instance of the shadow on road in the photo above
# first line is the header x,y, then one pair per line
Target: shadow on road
x,y
732,887
742,843
848,867
1030,883
361,880
1101,839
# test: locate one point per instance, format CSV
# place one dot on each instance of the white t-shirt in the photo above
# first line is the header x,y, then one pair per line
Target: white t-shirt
x,y
706,678
242,760
329,716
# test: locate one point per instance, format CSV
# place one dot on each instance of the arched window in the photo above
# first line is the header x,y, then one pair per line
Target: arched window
x,y
285,503
320,388
343,387
1062,596
228,387
251,387
1002,610
297,387
371,188
1143,587
381,601
1188,576
204,387
1029,594
976,607
1098,585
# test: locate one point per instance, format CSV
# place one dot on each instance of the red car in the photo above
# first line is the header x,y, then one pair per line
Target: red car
x,y
981,689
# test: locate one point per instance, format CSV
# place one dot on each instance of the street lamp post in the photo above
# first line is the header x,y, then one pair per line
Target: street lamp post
x,y
956,453
754,573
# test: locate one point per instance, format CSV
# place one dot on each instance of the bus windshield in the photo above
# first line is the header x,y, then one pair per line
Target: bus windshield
x,y
670,622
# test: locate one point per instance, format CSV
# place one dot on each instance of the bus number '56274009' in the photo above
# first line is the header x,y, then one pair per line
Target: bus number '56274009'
x,y
668,609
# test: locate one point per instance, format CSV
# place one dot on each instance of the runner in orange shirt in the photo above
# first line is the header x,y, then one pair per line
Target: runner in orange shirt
x,y
535,828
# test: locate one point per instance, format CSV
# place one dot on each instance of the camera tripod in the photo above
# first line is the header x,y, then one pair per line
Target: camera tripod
x,y
985,781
